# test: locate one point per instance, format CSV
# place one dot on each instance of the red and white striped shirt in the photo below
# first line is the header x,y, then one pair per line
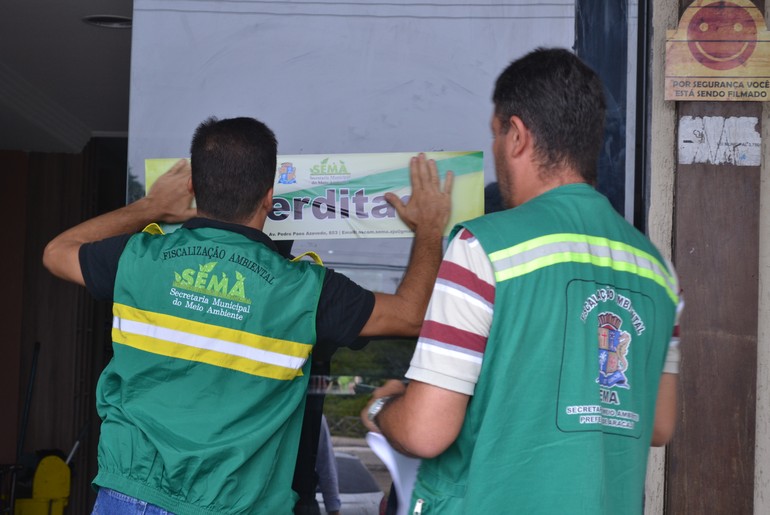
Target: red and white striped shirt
x,y
454,335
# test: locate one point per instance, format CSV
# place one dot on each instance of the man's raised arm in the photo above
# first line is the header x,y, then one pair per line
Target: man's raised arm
x,y
169,201
427,214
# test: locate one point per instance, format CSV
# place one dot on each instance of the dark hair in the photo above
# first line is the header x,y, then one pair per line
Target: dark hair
x,y
493,200
233,167
561,101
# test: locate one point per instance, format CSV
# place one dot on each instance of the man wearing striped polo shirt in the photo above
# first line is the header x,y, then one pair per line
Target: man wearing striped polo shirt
x,y
545,367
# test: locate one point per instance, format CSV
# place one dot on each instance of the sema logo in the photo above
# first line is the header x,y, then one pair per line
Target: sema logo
x,y
327,172
205,281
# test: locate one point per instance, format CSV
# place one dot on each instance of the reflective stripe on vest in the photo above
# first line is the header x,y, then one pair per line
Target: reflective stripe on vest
x,y
219,346
553,249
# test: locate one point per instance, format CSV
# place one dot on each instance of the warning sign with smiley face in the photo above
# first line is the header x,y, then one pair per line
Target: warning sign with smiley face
x,y
719,52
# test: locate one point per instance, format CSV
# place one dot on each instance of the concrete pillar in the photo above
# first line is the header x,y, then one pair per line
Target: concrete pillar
x,y
660,216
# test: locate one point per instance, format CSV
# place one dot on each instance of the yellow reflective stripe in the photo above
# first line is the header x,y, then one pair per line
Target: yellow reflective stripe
x,y
286,347
575,238
153,228
535,261
312,255
237,350
209,357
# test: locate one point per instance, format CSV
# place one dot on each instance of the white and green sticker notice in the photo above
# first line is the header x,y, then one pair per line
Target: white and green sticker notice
x,y
342,196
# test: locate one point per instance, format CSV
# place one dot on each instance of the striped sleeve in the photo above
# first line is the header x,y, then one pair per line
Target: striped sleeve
x,y
454,336
673,357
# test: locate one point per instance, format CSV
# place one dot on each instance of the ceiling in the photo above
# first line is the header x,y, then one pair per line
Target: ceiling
x,y
62,81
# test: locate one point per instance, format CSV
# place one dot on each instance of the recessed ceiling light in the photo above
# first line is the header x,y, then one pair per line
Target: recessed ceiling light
x,y
108,21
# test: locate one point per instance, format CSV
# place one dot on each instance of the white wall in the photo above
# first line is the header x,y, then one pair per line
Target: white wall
x,y
660,223
329,76
332,77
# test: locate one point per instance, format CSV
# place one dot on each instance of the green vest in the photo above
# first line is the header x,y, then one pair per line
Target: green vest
x,y
203,400
562,415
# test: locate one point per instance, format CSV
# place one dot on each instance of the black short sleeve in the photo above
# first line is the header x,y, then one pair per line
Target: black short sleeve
x,y
343,310
99,265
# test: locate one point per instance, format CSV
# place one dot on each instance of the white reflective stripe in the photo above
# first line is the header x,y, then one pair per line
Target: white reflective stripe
x,y
554,249
463,294
642,260
426,346
206,343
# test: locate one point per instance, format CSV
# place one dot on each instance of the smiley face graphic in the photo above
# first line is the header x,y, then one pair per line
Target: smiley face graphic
x,y
722,35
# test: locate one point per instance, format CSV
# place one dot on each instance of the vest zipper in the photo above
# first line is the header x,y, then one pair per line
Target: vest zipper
x,y
418,507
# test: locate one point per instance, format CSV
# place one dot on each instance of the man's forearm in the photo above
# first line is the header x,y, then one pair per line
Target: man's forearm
x,y
421,420
427,214
61,254
168,200
402,313
420,276
665,410
390,424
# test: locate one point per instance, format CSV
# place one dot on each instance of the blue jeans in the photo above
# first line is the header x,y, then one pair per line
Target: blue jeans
x,y
110,502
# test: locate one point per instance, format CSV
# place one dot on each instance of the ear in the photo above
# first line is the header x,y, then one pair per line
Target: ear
x,y
190,189
267,202
520,139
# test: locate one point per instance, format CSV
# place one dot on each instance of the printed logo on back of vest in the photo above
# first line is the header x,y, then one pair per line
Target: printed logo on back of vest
x,y
215,293
595,393
213,290
205,281
613,349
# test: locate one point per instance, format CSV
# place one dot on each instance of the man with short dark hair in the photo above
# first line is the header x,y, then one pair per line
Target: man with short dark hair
x,y
213,328
534,382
